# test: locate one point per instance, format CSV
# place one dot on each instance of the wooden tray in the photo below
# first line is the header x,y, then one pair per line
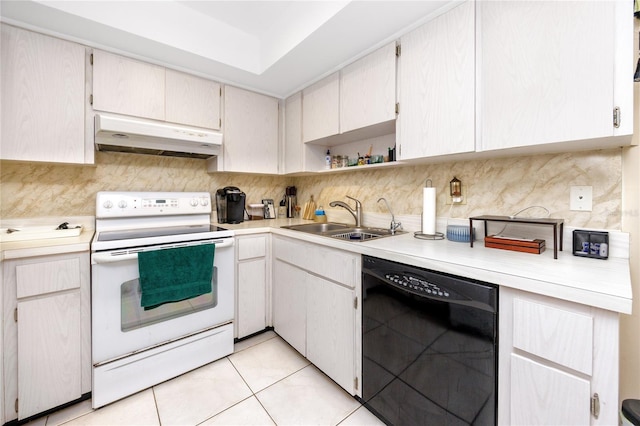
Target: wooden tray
x,y
513,244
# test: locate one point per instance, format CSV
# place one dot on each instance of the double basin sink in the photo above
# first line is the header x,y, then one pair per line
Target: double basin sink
x,y
342,231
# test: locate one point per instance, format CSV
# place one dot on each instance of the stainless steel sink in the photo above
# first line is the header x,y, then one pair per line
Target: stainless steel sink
x,y
343,231
318,228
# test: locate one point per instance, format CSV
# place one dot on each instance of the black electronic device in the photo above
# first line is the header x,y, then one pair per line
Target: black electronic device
x,y
230,205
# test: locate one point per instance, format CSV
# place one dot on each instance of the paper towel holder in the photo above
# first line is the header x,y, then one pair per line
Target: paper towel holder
x,y
423,236
455,190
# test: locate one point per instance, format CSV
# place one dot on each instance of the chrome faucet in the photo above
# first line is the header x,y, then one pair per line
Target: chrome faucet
x,y
394,225
357,213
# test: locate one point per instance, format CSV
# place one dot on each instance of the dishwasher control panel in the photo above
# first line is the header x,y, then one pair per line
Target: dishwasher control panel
x,y
431,284
418,284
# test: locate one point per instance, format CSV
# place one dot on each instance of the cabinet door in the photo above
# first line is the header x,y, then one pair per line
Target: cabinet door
x,y
320,109
543,395
250,132
368,90
299,157
129,87
192,100
49,371
331,330
252,296
437,84
290,304
43,98
545,72
293,159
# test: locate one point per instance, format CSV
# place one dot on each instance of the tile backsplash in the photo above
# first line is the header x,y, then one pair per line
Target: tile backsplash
x,y
497,186
500,186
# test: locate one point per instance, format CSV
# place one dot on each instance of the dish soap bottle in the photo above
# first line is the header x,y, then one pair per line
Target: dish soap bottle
x,y
327,160
320,216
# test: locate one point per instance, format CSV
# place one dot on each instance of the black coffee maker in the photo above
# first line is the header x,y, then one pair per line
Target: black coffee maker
x,y
230,205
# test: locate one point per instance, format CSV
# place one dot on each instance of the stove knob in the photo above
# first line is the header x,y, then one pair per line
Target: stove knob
x,y
194,202
107,204
204,201
122,204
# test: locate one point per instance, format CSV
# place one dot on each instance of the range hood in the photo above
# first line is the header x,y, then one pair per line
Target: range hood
x,y
136,135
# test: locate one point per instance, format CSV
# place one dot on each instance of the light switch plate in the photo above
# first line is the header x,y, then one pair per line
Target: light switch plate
x,y
581,198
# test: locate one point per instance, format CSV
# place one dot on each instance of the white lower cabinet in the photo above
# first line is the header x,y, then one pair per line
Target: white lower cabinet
x,y
558,362
331,329
252,284
315,307
47,342
290,304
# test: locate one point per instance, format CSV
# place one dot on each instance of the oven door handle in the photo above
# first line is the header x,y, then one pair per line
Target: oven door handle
x,y
99,258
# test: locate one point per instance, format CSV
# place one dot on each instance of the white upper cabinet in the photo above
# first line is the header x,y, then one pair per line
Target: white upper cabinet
x,y
129,87
192,100
298,157
368,90
437,86
293,157
43,99
548,72
126,86
358,97
320,109
250,132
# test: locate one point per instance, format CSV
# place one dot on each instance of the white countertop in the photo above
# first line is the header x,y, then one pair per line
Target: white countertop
x,y
31,248
47,246
604,284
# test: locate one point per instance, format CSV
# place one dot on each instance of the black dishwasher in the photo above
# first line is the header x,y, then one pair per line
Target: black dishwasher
x,y
429,346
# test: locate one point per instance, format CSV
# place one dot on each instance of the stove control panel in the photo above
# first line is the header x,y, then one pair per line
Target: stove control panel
x,y
133,204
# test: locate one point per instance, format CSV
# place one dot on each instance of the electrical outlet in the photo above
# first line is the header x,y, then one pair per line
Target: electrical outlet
x,y
581,198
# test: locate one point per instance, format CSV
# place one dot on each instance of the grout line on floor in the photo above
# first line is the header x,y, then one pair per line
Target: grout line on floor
x,y
226,409
265,410
155,401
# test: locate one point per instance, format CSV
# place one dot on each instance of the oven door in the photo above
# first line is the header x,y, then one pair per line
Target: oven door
x,y
121,326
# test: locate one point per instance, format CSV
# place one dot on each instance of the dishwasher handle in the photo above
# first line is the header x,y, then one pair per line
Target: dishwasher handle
x,y
124,255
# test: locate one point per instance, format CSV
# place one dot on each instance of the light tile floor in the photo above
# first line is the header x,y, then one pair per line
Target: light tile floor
x,y
265,382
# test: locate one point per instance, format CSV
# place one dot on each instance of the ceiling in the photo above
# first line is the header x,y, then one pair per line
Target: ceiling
x,y
273,47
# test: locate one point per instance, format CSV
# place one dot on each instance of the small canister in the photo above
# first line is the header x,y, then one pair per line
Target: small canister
x,y
320,216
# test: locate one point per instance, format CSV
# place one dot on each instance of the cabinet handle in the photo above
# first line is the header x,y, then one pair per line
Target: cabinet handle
x,y
595,405
616,117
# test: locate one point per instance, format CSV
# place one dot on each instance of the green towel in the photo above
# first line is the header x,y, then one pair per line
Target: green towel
x,y
172,275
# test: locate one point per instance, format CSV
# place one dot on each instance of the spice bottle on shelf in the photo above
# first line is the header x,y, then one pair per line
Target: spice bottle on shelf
x,y
327,160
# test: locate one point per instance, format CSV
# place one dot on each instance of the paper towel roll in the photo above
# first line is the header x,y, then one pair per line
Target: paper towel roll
x,y
429,211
